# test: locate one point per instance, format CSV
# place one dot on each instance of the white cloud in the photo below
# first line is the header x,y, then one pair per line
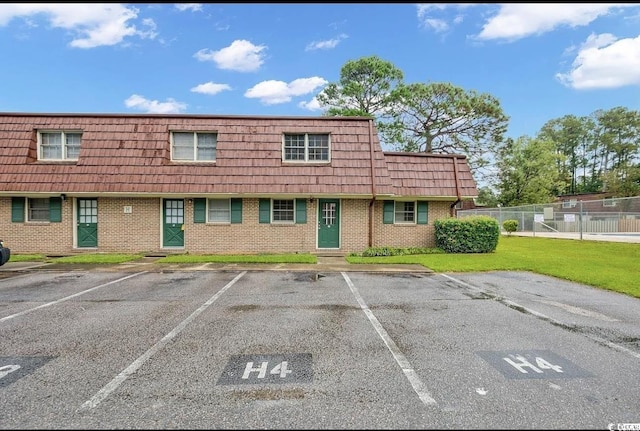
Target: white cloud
x,y
439,25
273,92
193,7
515,21
210,88
325,44
241,56
311,105
93,25
604,62
153,106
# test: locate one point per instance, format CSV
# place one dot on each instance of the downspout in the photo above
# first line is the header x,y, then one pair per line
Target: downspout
x,y
373,184
455,176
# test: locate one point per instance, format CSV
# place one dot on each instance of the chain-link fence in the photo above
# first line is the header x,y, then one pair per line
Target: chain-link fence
x,y
602,216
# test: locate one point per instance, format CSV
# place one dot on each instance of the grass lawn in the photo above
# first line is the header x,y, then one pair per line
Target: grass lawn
x,y
608,265
240,258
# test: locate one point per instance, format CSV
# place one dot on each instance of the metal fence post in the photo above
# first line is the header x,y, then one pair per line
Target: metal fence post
x,y
580,220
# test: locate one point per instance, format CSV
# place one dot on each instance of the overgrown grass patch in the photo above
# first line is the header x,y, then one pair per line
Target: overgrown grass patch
x,y
108,258
240,258
27,258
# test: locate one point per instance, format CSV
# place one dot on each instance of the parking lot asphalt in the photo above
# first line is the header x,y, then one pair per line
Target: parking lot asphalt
x,y
324,264
204,349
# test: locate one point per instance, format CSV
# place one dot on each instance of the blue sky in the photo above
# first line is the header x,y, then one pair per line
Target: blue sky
x,y
542,61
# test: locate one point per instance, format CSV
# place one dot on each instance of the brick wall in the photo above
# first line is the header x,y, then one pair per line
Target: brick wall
x,y
408,235
250,236
141,230
36,237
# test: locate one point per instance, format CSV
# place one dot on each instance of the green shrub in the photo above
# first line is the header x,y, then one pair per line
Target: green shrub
x,y
510,225
474,234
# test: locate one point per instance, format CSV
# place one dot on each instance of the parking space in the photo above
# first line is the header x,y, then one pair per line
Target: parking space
x,y
304,349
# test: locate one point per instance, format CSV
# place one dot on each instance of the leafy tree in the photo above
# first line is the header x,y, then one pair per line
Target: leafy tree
x,y
440,117
527,172
571,136
365,88
487,197
619,135
623,182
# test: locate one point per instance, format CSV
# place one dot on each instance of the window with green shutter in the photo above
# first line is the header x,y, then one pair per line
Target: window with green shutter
x,y
55,210
301,211
199,210
423,211
264,209
388,209
17,210
236,210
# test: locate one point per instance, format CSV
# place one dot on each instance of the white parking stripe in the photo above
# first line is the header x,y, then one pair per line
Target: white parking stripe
x,y
408,370
113,384
48,304
539,315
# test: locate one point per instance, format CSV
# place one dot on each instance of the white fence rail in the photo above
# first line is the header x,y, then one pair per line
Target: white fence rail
x,y
619,215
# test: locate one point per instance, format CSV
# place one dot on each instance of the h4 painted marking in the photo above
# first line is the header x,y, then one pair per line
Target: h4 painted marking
x,y
280,369
520,363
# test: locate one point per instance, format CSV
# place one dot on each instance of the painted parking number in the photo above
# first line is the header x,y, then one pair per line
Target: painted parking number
x,y
262,369
521,364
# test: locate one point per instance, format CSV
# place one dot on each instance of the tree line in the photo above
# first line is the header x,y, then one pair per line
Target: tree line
x,y
595,153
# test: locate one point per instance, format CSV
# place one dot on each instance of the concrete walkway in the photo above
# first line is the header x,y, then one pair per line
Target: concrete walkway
x,y
325,264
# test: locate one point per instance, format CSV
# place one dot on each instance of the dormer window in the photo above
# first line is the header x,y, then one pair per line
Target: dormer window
x,y
59,145
306,147
194,146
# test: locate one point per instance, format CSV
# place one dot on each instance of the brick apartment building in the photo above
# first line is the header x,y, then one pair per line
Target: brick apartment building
x,y
216,184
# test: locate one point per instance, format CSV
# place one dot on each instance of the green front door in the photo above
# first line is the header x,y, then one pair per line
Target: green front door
x,y
328,223
87,222
173,216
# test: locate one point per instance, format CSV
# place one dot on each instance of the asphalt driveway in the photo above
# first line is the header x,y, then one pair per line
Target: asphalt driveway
x,y
255,349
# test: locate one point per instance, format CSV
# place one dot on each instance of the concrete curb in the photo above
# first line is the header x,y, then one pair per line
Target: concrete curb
x,y
166,267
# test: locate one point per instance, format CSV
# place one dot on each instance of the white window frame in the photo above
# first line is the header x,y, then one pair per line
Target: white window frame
x,y
293,211
569,203
609,202
403,211
228,211
64,144
194,147
306,148
43,209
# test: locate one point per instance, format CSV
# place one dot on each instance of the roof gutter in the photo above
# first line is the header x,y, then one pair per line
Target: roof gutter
x,y
373,183
459,196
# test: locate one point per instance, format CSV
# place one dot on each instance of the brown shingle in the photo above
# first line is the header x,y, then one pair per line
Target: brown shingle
x,y
131,154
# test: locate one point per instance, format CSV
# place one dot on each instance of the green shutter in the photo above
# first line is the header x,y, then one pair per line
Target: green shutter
x,y
301,211
264,208
389,208
236,210
423,210
55,210
199,210
17,210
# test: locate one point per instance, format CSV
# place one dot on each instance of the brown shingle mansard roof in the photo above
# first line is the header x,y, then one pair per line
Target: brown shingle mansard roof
x,y
129,155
